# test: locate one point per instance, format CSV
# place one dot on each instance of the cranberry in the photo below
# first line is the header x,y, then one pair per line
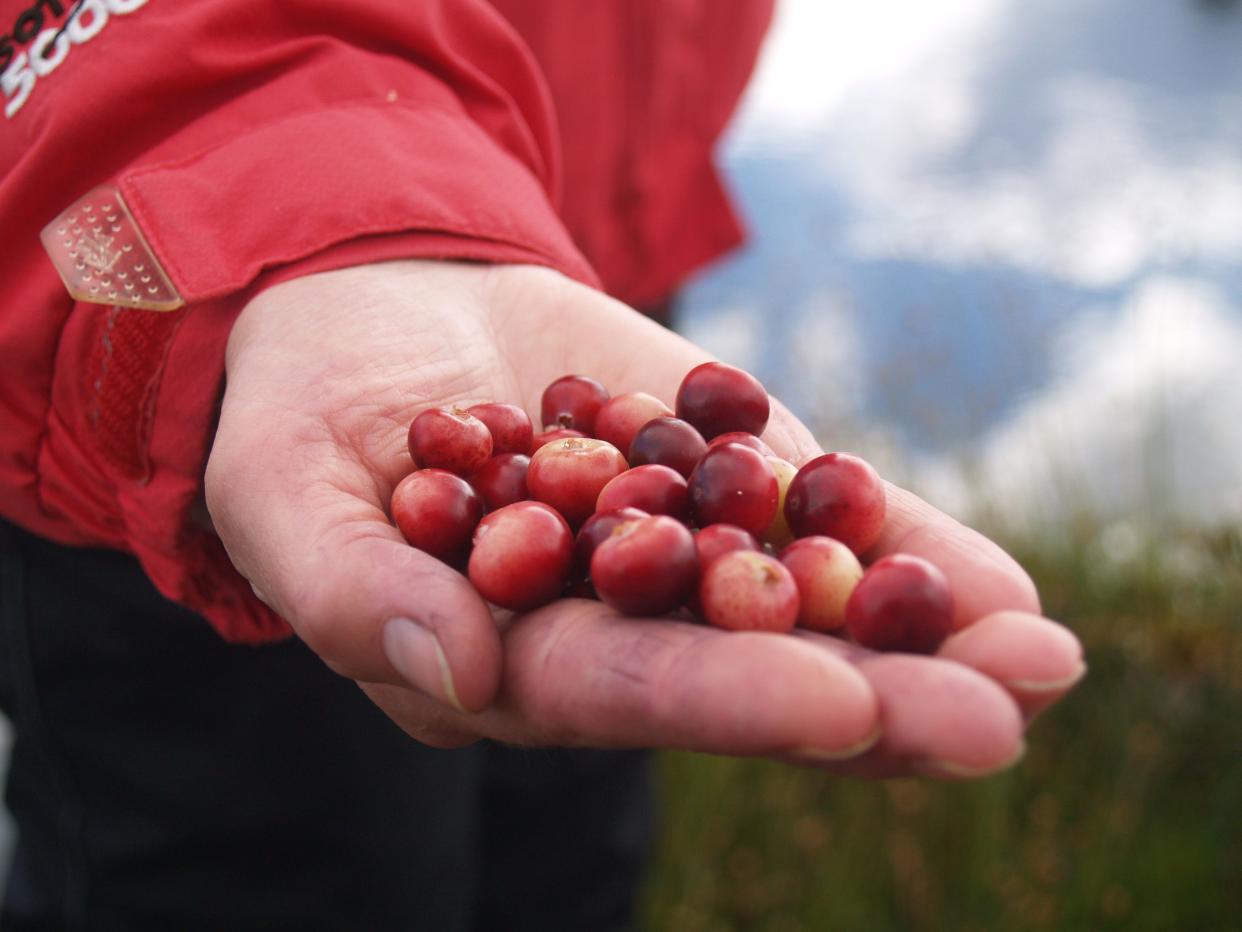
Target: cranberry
x,y
716,540
551,434
744,591
509,426
449,438
717,399
902,603
572,401
437,512
734,484
595,530
522,556
570,474
620,419
826,572
777,533
837,495
667,441
646,567
745,439
502,480
656,490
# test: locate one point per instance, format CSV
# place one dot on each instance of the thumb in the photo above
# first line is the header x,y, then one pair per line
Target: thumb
x,y
372,607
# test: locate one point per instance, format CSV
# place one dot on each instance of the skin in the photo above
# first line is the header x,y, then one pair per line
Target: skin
x,y
321,389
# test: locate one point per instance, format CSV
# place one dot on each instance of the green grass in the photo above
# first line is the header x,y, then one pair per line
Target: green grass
x,y
1125,814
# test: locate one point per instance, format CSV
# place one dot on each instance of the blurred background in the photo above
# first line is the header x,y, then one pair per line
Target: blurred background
x,y
997,249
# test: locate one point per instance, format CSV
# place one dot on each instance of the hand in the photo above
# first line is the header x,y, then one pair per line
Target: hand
x,y
325,374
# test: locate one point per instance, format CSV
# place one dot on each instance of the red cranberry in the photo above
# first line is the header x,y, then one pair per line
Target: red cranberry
x,y
554,433
717,399
509,426
437,512
837,495
745,439
502,480
620,419
826,572
744,591
570,474
449,438
656,490
522,556
646,567
902,603
595,530
573,401
734,485
667,441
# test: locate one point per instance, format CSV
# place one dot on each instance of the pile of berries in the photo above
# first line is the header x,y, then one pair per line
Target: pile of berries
x,y
655,511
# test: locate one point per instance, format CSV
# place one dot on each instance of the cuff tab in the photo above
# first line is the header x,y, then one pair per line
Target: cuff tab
x,y
103,258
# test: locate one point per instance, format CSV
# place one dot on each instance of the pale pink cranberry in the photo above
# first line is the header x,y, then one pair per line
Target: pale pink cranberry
x,y
715,541
778,533
826,572
744,591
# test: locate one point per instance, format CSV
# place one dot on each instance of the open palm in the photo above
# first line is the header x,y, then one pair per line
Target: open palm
x,y
325,374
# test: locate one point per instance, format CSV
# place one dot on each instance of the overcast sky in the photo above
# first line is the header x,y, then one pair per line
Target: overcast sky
x,y
1090,147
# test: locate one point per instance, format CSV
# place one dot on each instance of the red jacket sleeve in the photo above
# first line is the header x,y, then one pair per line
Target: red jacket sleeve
x,y
250,141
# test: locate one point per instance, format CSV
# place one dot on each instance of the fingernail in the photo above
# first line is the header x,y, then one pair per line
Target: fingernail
x,y
1049,686
833,755
935,767
415,653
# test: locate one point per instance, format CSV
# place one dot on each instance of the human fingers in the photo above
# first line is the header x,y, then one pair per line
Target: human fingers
x,y
1038,661
305,526
936,716
578,674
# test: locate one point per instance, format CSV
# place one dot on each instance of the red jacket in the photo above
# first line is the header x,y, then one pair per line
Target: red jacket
x,y
253,142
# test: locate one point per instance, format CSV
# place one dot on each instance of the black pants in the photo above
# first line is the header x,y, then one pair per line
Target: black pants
x,y
162,779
